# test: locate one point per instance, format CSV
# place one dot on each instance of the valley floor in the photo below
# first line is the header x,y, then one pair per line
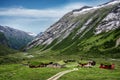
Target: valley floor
x,y
22,72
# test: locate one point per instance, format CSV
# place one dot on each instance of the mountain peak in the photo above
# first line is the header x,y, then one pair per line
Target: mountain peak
x,y
84,7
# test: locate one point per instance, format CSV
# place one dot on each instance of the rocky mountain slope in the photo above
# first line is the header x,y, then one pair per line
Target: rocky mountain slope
x,y
15,38
85,30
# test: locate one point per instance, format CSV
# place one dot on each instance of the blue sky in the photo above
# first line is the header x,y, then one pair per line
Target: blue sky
x,y
37,15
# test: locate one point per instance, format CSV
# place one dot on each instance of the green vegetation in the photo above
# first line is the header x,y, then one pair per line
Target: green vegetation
x,y
21,72
4,50
95,73
92,74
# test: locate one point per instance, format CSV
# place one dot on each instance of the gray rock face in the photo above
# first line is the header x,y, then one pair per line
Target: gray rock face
x,y
62,28
110,22
16,38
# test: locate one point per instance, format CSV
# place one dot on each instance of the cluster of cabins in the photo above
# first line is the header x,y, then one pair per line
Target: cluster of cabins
x,y
50,64
93,63
88,64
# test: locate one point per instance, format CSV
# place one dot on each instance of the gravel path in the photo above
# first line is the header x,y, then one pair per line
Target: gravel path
x,y
58,75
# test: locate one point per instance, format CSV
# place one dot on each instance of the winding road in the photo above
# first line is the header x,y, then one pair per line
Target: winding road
x,y
58,75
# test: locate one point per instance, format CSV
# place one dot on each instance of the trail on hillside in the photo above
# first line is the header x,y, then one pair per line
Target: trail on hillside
x,y
58,75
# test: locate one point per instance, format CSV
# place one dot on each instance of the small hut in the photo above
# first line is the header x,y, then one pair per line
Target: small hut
x,y
54,65
105,66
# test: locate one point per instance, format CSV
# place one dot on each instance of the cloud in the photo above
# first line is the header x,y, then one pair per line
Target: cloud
x,y
34,20
37,13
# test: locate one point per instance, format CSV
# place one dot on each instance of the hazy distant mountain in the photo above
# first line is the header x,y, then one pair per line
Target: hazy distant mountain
x,y
3,40
84,30
15,38
4,46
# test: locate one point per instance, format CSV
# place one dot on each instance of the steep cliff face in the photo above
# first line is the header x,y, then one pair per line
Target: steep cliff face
x,y
15,38
82,27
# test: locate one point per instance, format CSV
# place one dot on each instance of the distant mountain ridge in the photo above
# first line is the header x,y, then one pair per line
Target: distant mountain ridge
x,y
15,38
84,7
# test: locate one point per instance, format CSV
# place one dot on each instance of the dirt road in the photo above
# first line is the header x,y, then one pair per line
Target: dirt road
x,y
58,75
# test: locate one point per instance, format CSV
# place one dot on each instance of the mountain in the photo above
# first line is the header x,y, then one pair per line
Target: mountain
x,y
14,38
3,40
4,46
86,31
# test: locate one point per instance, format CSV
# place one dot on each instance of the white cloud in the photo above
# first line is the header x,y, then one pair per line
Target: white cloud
x,y
37,13
34,20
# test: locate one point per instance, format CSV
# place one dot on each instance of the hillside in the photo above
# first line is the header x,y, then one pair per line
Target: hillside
x,y
89,31
3,40
4,46
15,38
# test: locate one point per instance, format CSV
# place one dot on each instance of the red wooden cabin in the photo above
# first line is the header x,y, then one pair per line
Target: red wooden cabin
x,y
112,66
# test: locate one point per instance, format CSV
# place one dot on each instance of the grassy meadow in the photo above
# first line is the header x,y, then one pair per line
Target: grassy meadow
x,y
23,72
20,72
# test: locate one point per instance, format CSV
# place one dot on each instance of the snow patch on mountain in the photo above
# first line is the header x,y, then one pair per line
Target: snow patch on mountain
x,y
32,34
91,9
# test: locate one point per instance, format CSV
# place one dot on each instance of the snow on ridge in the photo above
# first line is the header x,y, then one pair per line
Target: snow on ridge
x,y
31,34
83,11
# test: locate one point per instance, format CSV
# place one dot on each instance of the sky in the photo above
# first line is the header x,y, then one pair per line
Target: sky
x,y
38,15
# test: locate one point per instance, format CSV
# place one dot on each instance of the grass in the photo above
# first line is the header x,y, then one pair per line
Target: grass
x,y
4,50
20,72
94,73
